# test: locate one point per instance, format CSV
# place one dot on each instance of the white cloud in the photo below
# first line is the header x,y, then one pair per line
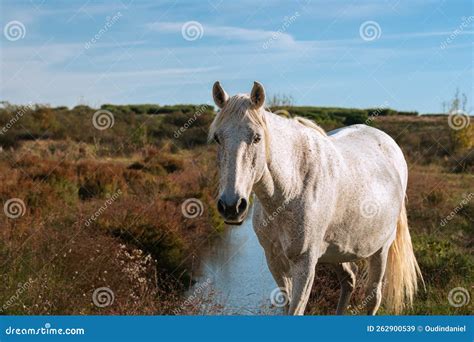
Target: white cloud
x,y
227,32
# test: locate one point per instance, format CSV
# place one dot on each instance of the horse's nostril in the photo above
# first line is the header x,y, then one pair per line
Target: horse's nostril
x,y
242,205
233,210
221,206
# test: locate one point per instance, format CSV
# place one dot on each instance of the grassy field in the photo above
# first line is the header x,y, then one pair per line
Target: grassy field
x,y
93,208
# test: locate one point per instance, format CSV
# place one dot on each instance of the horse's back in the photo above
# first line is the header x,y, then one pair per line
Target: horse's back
x,y
370,146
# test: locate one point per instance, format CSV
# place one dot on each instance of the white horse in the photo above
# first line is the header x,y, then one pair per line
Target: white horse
x,y
333,199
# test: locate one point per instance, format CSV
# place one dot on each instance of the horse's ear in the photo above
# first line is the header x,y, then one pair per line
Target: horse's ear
x,y
257,96
219,95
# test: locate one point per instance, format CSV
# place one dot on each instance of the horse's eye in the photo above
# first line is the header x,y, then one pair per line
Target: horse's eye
x,y
216,139
256,138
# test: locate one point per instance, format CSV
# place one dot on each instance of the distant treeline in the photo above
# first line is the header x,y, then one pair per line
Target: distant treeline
x,y
154,109
334,116
157,109
344,115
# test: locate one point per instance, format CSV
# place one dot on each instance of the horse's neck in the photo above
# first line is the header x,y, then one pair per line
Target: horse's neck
x,y
283,177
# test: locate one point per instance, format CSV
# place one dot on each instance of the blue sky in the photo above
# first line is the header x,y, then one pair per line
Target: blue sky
x,y
91,52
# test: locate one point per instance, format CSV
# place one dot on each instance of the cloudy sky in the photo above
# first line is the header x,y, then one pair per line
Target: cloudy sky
x,y
408,55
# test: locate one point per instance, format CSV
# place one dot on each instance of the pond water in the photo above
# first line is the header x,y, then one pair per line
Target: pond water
x,y
234,278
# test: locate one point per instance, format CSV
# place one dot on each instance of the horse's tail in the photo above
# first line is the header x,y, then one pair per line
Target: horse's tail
x,y
402,272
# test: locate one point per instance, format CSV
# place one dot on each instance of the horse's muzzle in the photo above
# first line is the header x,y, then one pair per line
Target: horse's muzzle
x,y
234,211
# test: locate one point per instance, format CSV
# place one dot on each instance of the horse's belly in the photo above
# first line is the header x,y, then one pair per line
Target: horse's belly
x,y
356,241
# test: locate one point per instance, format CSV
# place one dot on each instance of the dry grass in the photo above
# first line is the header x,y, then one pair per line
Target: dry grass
x,y
139,246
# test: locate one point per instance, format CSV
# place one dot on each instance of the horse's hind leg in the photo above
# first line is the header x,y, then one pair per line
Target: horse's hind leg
x,y
376,270
346,273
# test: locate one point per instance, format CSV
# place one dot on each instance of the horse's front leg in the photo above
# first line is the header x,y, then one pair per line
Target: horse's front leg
x,y
302,270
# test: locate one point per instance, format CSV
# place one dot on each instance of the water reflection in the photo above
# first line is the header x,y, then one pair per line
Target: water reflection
x,y
234,275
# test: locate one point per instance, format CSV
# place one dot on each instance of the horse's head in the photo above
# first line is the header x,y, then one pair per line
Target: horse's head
x,y
239,129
